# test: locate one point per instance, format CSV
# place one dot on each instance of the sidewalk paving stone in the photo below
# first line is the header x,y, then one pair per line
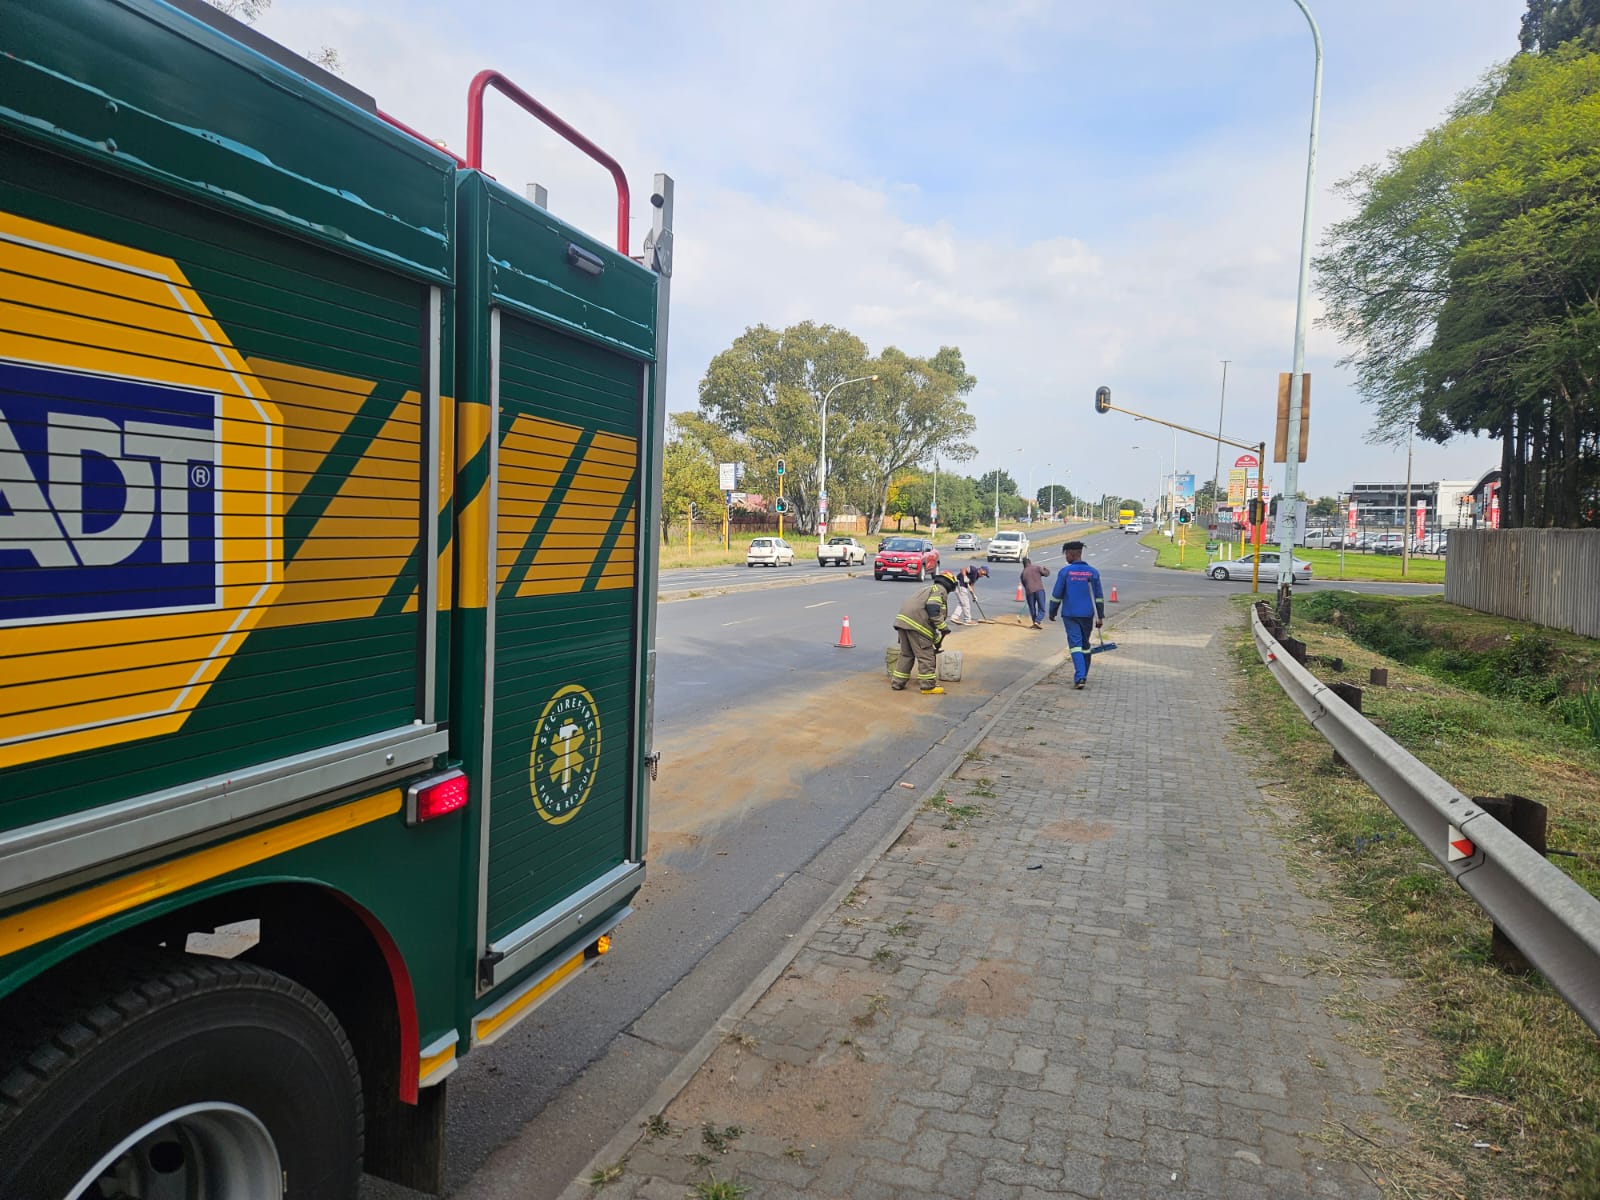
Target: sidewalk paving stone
x,y
1096,985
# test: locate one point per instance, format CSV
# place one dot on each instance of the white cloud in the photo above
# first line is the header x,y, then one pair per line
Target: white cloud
x,y
1072,194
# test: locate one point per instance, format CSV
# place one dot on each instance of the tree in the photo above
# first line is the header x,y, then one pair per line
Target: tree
x,y
768,388
1053,494
1324,506
1551,23
1468,283
689,468
1208,495
914,410
1008,485
248,12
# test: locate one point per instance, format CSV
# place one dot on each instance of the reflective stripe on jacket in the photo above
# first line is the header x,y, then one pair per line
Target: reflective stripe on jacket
x,y
916,616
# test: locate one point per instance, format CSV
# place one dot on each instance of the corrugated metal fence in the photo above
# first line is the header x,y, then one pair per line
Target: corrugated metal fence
x,y
1549,576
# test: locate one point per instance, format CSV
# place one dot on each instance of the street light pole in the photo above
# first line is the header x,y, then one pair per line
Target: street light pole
x,y
1216,469
1288,513
822,467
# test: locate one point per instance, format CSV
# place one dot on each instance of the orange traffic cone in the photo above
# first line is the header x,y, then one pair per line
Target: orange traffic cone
x,y
1113,595
844,642
1020,596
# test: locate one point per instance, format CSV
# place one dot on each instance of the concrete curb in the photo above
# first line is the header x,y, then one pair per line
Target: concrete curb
x,y
629,1135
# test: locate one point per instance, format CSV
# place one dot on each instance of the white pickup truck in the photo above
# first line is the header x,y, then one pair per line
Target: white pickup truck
x,y
841,552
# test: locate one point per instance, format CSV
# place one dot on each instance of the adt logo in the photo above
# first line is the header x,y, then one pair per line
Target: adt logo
x,y
107,496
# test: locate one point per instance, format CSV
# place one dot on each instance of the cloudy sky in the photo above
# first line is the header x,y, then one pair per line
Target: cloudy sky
x,y
1073,192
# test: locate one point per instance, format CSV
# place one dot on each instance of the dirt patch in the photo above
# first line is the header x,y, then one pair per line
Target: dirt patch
x,y
990,989
711,777
835,1097
1045,758
1068,830
914,838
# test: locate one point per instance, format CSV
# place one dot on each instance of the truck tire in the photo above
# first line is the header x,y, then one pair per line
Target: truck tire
x,y
166,1072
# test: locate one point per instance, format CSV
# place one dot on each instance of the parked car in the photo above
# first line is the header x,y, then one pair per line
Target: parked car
x,y
1323,537
1009,545
966,541
1434,543
1387,543
769,552
907,558
841,552
1243,567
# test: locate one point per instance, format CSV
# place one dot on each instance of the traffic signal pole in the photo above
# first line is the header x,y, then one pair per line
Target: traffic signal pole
x,y
1102,404
780,498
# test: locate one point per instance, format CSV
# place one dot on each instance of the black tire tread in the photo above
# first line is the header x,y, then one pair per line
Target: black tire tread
x,y
54,1025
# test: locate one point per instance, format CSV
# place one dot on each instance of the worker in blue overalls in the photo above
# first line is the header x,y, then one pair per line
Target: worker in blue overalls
x,y
1078,591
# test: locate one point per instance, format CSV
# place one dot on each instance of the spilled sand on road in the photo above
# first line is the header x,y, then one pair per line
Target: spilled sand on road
x,y
722,773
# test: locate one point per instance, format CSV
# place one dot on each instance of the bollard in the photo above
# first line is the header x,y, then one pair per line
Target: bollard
x,y
1296,649
1351,695
1379,677
1527,819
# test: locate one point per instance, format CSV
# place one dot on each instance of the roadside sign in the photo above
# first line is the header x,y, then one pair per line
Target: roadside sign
x,y
727,477
1459,846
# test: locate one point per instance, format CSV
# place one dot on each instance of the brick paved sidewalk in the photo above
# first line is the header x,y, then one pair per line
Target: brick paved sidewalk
x,y
1087,980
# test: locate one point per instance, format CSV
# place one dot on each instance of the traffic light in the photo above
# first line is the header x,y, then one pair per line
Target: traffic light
x,y
1183,516
1258,512
783,506
1102,399
780,470
693,511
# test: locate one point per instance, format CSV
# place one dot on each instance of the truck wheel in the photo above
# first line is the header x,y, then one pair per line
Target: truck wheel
x,y
180,1076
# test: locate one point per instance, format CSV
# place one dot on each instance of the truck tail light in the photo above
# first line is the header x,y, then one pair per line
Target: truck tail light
x,y
436,796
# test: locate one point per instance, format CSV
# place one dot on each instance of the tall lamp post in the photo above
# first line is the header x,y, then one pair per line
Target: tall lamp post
x,y
1018,450
1297,380
822,468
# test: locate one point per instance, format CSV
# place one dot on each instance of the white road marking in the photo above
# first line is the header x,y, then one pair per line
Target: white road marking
x,y
824,604
740,621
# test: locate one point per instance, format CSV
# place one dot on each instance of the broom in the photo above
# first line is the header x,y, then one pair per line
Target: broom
x,y
1104,645
984,618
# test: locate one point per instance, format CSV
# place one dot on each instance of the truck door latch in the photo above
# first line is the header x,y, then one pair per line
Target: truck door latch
x,y
652,763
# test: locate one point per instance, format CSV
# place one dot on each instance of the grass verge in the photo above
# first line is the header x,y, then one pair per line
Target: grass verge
x,y
1325,564
1499,1074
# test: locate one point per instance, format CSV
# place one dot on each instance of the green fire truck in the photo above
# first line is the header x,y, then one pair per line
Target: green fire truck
x,y
327,469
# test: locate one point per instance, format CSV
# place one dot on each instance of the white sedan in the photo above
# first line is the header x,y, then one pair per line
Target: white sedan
x,y
1244,566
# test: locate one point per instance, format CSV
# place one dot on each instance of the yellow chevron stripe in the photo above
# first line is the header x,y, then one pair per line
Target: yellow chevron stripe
x,y
573,540
364,538
619,567
473,526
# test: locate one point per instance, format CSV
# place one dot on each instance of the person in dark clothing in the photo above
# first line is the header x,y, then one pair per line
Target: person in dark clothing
x,y
921,625
1033,576
1077,590
966,585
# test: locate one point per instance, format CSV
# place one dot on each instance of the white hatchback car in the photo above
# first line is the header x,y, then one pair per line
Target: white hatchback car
x,y
769,552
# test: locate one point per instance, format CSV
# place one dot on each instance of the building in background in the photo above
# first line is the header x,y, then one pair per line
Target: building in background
x,y
1449,503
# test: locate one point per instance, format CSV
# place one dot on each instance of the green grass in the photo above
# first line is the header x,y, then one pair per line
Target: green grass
x,y
1324,563
720,1189
1474,1054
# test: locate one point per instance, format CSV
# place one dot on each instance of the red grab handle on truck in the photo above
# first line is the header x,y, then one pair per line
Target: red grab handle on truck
x,y
484,80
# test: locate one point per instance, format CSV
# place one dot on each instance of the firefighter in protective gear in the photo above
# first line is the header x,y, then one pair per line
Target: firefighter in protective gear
x,y
921,624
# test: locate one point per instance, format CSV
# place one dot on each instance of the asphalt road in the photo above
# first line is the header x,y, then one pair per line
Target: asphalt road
x,y
782,757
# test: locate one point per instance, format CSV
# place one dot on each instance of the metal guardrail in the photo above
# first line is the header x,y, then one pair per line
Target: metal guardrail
x,y
1553,921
